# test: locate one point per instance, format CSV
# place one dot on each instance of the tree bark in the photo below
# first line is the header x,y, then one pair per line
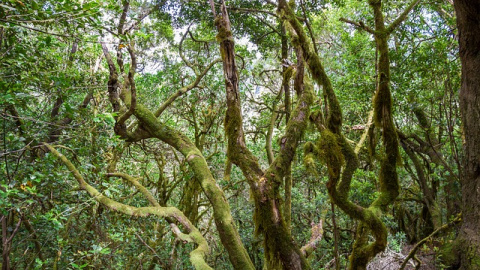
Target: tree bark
x,y
335,151
281,251
5,246
468,22
150,127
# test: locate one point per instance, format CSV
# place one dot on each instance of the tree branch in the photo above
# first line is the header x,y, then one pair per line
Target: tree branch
x,y
359,24
193,156
197,256
123,17
421,242
237,151
137,184
360,143
317,234
402,17
185,89
131,99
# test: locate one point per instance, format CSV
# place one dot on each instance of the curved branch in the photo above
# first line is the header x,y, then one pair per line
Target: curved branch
x,y
185,89
140,187
293,133
334,119
336,151
309,26
360,143
130,100
280,249
273,118
360,25
139,20
197,256
402,17
317,233
113,94
180,50
221,209
421,242
152,202
237,151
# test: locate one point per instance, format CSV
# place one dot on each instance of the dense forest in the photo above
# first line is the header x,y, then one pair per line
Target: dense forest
x,y
241,134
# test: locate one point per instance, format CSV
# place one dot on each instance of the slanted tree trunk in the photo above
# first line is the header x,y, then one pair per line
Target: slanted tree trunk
x,y
123,96
468,21
281,251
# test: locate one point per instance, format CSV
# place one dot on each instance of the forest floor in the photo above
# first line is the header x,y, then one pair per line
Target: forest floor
x,y
427,257
391,260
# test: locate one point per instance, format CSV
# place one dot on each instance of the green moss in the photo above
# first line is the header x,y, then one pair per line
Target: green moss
x,y
310,151
330,152
309,162
289,72
309,148
421,117
223,32
448,253
222,215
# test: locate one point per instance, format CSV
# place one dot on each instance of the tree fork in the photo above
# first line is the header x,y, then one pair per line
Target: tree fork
x,y
281,251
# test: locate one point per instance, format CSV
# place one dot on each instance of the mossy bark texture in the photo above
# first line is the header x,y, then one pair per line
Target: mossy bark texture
x,y
197,256
281,251
222,214
150,127
333,148
468,21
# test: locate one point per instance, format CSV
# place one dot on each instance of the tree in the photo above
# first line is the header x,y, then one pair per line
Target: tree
x,y
468,22
225,134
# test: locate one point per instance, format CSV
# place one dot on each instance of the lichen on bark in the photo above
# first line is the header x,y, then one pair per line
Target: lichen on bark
x,y
333,149
281,251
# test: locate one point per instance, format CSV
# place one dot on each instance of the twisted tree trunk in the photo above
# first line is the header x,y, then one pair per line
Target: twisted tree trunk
x,y
281,251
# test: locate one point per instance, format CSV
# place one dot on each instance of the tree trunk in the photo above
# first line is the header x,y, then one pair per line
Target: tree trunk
x,y
280,249
5,246
468,21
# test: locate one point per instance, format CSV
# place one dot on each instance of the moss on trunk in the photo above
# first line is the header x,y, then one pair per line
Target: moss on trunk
x,y
338,155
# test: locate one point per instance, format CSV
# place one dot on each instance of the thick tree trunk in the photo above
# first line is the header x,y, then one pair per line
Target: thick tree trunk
x,y
468,21
281,251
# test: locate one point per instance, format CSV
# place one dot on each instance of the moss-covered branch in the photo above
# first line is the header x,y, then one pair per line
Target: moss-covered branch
x,y
221,209
360,25
338,155
412,252
293,133
151,199
281,251
317,234
382,105
360,143
428,193
139,186
131,100
149,126
197,256
237,151
271,125
402,16
187,88
334,119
